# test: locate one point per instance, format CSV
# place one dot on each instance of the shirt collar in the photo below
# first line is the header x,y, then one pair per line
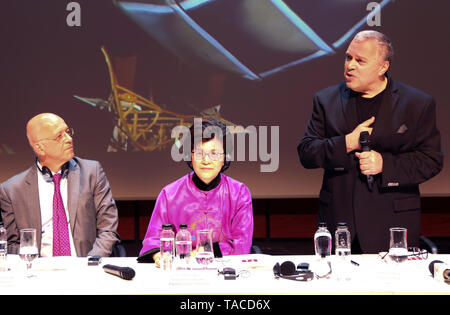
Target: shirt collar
x,y
206,187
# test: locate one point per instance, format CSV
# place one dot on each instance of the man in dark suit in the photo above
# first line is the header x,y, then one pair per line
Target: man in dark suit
x,y
88,212
405,147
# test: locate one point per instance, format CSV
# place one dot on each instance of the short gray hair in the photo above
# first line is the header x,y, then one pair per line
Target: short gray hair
x,y
382,40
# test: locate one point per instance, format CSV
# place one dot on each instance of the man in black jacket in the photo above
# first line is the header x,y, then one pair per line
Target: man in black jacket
x,y
404,141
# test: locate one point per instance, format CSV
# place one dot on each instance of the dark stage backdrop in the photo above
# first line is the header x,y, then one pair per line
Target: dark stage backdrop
x,y
262,61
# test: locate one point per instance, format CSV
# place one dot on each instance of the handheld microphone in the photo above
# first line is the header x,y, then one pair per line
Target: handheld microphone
x,y
365,147
440,270
126,273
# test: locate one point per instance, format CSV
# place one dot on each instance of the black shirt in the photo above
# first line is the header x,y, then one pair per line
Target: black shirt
x,y
368,107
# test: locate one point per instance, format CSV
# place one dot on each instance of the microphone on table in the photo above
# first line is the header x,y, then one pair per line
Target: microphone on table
x,y
365,147
440,270
126,273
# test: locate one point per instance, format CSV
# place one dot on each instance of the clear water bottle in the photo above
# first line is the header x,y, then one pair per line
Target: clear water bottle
x,y
167,249
3,247
342,251
322,241
183,247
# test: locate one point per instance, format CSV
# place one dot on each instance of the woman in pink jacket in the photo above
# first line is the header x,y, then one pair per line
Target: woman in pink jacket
x,y
205,199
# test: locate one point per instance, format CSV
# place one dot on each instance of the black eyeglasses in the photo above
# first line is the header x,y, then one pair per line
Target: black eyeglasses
x,y
419,253
416,254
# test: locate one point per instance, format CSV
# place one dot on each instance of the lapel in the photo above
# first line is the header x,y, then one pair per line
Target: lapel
x,y
73,191
32,208
385,120
348,102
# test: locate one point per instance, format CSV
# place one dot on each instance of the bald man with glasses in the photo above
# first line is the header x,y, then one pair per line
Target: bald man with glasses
x,y
67,199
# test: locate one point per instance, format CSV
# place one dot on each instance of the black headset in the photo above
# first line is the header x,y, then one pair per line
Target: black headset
x,y
288,270
47,173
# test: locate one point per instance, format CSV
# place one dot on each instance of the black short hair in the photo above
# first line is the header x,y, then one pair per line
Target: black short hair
x,y
214,129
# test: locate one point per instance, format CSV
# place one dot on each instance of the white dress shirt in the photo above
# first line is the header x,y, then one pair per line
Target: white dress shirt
x,y
46,190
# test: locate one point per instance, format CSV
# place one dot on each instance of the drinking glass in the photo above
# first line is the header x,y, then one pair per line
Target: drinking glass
x,y
204,249
398,246
28,249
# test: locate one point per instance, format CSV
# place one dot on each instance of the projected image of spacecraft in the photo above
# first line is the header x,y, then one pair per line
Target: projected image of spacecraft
x,y
253,39
139,123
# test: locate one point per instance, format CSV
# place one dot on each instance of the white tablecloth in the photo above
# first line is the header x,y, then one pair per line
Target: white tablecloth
x,y
70,275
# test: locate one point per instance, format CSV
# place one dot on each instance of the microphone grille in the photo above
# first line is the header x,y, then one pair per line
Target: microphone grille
x,y
128,273
364,136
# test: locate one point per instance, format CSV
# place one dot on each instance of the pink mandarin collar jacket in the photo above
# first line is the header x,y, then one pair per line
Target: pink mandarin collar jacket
x,y
226,209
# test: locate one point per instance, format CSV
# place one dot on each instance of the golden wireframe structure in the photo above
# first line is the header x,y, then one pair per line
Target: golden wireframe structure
x,y
139,121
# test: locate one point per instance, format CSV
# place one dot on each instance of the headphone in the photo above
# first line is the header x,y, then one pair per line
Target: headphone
x,y
47,173
287,270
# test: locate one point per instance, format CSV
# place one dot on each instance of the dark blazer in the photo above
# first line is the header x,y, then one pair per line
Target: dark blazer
x,y
404,133
92,210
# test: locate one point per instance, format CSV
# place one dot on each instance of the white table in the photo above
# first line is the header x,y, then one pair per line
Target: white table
x,y
70,275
